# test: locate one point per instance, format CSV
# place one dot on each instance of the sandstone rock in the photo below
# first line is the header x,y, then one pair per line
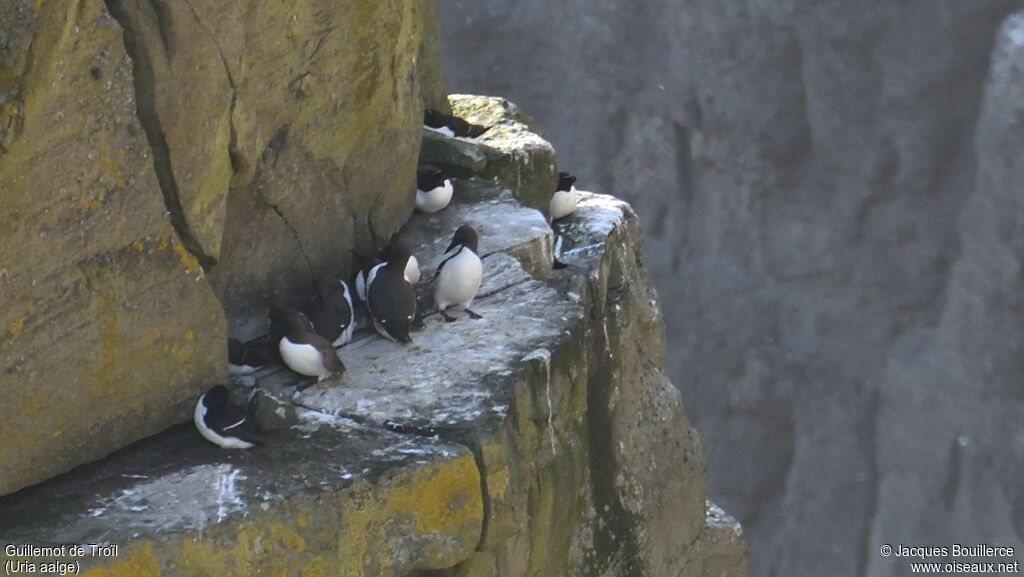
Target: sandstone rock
x,y
325,497
543,439
281,142
722,552
459,157
588,462
525,160
162,164
109,327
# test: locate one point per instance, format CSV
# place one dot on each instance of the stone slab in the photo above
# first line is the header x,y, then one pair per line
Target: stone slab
x,y
326,493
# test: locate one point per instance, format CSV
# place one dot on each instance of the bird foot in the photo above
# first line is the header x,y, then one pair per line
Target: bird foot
x,y
448,318
474,315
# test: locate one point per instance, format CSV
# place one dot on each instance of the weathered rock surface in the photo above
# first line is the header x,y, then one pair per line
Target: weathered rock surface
x,y
108,326
286,133
512,152
588,464
543,439
327,497
829,221
159,157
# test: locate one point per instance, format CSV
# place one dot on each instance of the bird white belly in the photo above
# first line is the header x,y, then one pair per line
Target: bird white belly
x,y
361,285
303,359
225,442
412,270
443,130
346,335
563,203
431,201
364,280
459,280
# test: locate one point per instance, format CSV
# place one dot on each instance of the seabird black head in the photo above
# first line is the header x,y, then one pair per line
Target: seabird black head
x,y
290,322
435,118
565,181
429,177
216,397
397,254
466,236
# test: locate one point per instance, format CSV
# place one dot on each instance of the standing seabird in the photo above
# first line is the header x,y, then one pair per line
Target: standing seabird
x,y
370,267
433,189
390,297
221,423
302,349
563,203
459,275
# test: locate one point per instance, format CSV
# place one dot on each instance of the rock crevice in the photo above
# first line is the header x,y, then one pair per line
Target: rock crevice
x,y
149,118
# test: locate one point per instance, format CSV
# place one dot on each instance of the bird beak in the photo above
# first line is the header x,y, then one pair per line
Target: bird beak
x,y
451,246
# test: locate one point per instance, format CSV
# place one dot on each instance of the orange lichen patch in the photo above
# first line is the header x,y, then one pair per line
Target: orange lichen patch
x,y
140,561
85,201
441,500
138,246
316,568
112,340
187,260
17,327
111,168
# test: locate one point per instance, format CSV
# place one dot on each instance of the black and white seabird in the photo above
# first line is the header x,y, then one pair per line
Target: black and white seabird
x,y
333,313
433,189
370,267
221,423
302,349
450,125
390,297
459,275
563,202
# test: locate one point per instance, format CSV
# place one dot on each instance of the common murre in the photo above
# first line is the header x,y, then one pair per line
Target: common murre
x,y
302,349
459,275
369,267
451,125
390,297
563,202
433,189
221,423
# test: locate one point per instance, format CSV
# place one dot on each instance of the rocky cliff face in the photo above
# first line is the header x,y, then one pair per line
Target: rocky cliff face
x,y
832,194
163,167
544,439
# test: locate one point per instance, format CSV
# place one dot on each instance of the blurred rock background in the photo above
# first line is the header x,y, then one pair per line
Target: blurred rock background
x,y
834,199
